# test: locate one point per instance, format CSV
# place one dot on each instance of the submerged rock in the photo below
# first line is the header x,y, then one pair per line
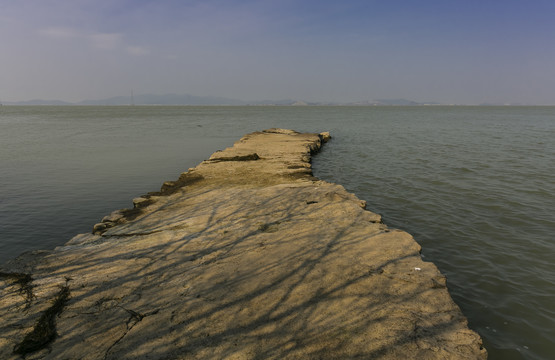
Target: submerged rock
x,y
243,259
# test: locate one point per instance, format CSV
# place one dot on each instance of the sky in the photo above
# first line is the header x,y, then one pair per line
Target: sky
x,y
447,51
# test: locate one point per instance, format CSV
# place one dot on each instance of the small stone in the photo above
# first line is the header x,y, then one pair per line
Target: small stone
x,y
114,217
168,185
362,204
100,227
325,136
80,239
140,202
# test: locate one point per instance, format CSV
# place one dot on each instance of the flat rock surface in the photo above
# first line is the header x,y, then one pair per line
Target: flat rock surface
x,y
246,256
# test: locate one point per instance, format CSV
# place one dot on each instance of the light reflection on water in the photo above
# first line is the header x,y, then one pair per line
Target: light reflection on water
x,y
474,185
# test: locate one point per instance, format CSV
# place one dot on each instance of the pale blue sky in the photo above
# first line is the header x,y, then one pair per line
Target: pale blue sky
x,y
446,51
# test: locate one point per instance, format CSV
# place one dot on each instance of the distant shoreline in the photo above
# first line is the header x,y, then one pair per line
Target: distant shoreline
x,y
191,100
272,105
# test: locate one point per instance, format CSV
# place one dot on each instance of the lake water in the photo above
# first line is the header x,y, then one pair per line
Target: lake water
x,y
474,185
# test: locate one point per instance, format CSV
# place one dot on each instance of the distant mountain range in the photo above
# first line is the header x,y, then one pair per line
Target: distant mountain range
x,y
38,102
176,99
166,99
392,102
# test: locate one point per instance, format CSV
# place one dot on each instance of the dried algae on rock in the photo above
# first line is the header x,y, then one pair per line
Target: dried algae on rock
x,y
44,331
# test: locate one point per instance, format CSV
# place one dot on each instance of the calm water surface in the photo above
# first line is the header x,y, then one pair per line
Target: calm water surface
x,y
474,185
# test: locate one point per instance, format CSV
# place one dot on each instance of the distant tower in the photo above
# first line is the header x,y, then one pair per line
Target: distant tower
x,y
132,99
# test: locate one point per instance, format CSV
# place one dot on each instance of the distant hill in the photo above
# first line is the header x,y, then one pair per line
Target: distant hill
x,y
403,102
286,102
503,104
166,99
390,102
39,102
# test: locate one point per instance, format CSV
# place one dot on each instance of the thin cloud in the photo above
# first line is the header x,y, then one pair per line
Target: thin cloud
x,y
59,33
98,40
106,40
137,50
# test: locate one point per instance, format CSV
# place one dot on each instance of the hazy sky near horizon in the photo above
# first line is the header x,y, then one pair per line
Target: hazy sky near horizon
x,y
447,51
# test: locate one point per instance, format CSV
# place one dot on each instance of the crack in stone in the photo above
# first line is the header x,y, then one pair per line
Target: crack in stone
x,y
146,233
134,318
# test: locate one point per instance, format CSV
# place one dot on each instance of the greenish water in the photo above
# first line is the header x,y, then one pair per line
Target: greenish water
x,y
474,185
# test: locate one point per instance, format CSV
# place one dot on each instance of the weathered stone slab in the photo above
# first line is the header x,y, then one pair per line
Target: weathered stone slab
x,y
242,257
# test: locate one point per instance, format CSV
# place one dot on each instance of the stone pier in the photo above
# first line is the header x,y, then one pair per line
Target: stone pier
x,y
246,256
